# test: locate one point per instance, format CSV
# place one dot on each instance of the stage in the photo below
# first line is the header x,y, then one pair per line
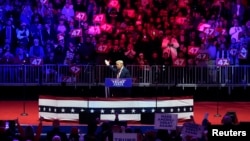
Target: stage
x,y
11,110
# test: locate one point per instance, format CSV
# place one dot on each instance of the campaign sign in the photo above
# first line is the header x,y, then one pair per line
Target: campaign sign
x,y
81,16
125,137
209,31
233,51
94,30
202,56
243,53
193,130
114,4
102,48
166,121
179,62
75,69
222,62
106,28
118,82
99,18
203,26
76,33
36,61
192,50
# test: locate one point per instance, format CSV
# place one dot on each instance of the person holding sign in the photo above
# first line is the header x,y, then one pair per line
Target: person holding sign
x,y
121,72
233,52
222,60
170,43
36,54
36,51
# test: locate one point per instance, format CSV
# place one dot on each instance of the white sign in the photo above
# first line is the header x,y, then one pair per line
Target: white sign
x,y
243,53
76,33
193,130
166,121
222,62
75,69
81,16
36,61
124,136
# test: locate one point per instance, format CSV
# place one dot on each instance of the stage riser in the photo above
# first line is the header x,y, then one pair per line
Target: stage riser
x,y
68,109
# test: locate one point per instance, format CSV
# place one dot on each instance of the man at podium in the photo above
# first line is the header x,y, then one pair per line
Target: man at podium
x,y
121,72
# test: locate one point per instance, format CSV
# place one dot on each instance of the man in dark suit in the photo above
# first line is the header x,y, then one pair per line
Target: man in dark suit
x,y
120,69
48,33
121,72
8,35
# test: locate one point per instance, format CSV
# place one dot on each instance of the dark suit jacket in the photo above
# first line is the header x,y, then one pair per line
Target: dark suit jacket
x,y
124,72
121,91
49,36
13,37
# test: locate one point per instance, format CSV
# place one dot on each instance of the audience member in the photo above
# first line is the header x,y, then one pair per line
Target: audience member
x,y
28,134
74,134
145,27
56,131
91,132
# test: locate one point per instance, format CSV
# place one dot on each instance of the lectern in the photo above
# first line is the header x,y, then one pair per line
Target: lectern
x,y
116,82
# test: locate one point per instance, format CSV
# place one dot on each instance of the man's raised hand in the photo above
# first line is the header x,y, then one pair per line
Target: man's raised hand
x,y
107,62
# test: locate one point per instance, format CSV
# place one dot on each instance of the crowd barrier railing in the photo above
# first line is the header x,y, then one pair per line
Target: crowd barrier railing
x,y
85,75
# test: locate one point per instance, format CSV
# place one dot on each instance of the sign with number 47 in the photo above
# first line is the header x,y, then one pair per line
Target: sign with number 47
x,y
36,61
179,62
202,56
76,33
81,16
106,27
99,18
193,50
222,62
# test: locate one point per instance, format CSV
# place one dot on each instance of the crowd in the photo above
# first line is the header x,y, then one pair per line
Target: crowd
x,y
98,130
140,32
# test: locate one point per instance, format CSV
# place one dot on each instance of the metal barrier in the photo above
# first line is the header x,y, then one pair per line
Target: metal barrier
x,y
191,76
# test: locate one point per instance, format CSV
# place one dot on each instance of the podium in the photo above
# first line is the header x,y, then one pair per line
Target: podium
x,y
118,83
